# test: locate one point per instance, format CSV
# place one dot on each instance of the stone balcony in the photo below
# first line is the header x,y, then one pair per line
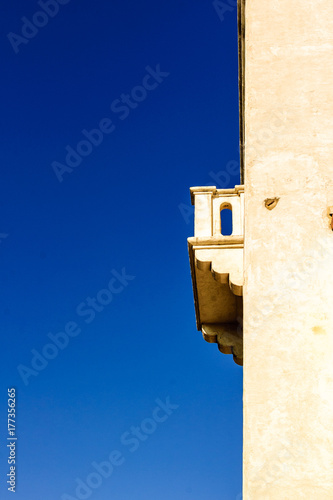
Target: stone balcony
x,y
216,263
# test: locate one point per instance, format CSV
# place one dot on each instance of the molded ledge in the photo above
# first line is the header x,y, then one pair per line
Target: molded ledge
x,y
229,338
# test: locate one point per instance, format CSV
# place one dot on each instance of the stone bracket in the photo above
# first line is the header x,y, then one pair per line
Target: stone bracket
x,y
229,338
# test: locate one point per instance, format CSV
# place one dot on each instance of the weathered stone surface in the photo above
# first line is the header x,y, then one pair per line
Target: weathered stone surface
x,y
288,289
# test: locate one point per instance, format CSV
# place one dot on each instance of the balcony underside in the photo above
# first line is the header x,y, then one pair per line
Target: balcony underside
x,y
217,277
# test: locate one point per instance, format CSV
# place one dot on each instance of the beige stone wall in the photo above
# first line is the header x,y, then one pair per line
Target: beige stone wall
x,y
288,293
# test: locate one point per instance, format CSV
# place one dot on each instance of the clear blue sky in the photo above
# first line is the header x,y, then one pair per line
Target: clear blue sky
x,y
94,245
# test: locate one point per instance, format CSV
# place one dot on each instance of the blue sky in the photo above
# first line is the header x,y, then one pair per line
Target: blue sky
x,y
94,253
